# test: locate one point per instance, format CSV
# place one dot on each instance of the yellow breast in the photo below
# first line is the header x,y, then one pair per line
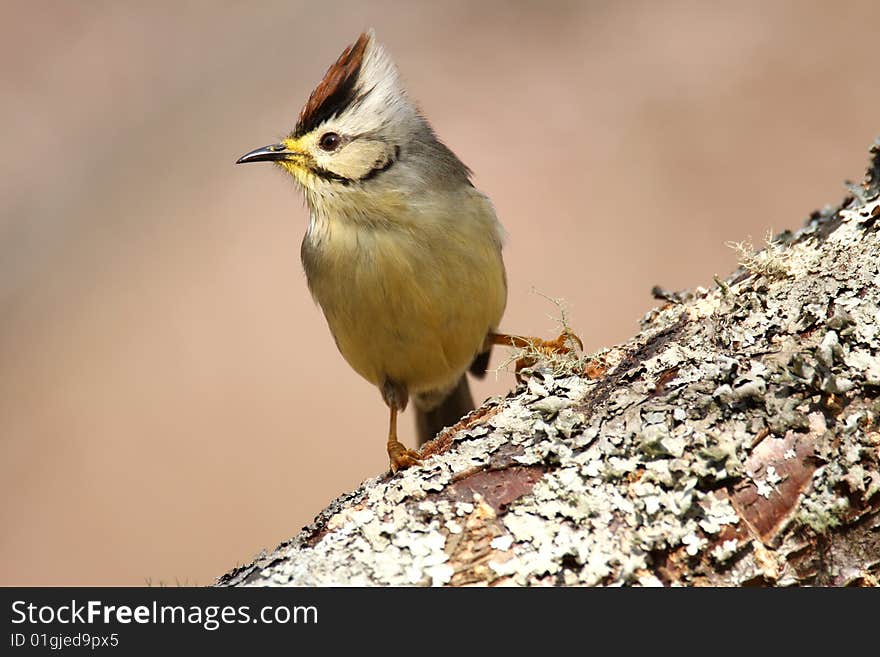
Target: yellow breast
x,y
410,298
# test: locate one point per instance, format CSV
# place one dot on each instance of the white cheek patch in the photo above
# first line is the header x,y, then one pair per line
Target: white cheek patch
x,y
358,159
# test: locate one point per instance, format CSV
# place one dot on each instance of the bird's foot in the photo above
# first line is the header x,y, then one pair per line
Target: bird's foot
x,y
535,348
401,457
564,344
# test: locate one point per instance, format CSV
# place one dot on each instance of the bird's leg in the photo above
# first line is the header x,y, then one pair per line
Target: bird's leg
x,y
535,346
400,457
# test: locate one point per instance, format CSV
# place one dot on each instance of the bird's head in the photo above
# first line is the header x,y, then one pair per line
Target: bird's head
x,y
356,125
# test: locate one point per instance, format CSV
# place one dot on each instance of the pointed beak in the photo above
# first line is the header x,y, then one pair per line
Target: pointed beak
x,y
270,153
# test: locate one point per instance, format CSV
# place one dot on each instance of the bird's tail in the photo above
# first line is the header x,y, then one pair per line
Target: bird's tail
x,y
454,406
433,416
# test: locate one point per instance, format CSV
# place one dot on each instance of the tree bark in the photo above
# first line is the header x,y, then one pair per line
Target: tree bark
x,y
734,441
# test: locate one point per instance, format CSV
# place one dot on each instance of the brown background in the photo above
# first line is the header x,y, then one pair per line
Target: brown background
x,y
170,398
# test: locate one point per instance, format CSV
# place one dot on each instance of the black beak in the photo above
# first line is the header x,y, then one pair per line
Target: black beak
x,y
270,153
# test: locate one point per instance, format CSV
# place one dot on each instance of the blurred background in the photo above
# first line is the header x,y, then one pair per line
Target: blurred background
x,y
171,400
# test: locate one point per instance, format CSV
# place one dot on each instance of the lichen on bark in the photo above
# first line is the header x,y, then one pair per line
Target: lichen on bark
x,y
733,441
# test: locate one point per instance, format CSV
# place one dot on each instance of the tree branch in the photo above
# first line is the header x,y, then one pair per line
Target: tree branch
x,y
733,441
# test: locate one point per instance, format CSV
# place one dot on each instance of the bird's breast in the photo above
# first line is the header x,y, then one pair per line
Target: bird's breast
x,y
408,300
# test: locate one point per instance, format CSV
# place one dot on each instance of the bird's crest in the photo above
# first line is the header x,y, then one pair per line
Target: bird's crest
x,y
338,88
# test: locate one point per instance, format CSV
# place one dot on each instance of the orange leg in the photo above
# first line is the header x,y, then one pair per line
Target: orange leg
x,y
561,345
400,457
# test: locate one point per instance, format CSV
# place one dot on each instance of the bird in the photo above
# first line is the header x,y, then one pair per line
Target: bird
x,y
402,253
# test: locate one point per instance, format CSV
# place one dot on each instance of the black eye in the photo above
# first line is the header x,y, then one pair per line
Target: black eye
x,y
329,141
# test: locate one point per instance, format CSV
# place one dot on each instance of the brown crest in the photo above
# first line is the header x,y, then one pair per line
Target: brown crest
x,y
336,91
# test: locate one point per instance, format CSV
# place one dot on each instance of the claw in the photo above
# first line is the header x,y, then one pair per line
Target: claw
x,y
560,345
401,457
